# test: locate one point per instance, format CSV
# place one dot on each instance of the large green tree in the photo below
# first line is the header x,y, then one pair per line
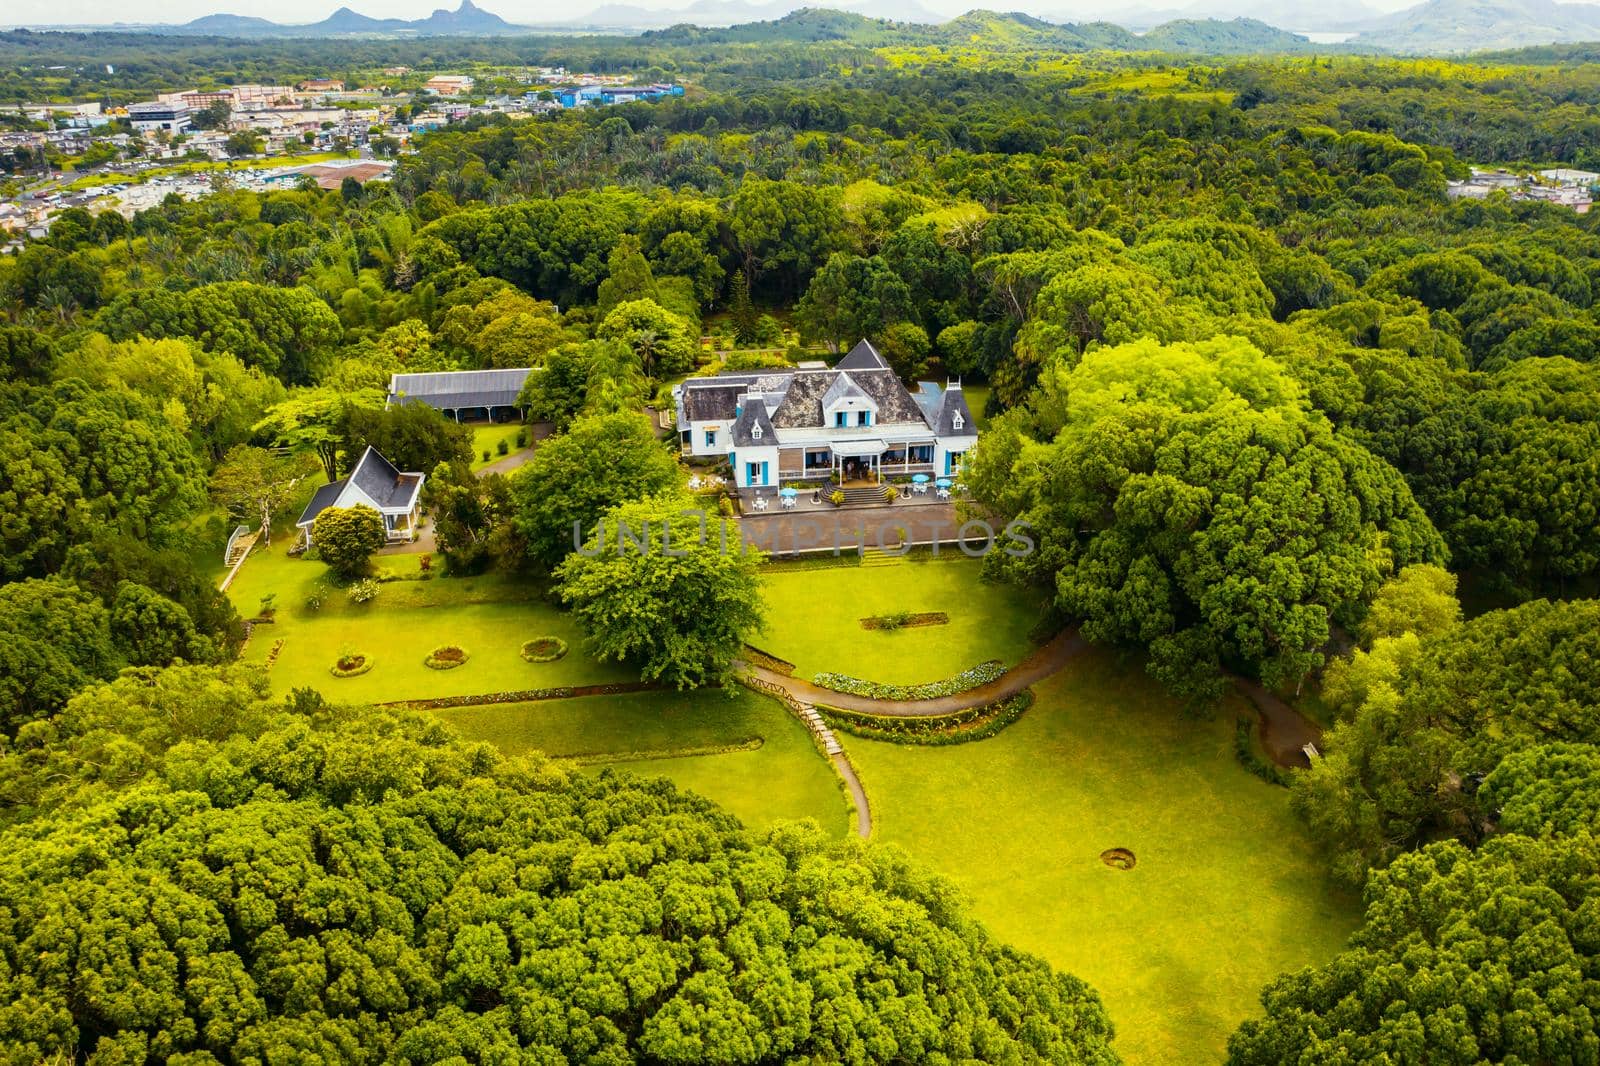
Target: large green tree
x,y
346,537
1187,502
1426,721
1465,957
572,479
664,343
357,886
676,593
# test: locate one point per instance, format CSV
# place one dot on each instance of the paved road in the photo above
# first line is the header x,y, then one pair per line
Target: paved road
x,y
1284,730
506,465
858,793
1043,662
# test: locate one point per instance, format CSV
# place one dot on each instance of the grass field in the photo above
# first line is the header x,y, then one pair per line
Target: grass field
x,y
784,778
1227,891
489,616
813,619
487,438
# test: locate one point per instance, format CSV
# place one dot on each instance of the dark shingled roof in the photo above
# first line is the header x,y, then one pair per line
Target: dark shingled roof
x,y
454,389
321,501
952,404
706,403
802,392
388,487
754,414
894,402
802,404
862,357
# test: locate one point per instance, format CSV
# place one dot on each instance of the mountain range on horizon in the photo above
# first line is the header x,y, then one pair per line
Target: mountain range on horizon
x,y
1431,26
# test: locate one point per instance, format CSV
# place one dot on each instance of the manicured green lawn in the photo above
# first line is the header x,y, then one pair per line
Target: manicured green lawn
x,y
784,778
813,619
1227,891
489,616
486,437
398,639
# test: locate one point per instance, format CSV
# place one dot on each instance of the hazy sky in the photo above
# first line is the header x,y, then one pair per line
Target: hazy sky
x,y
59,12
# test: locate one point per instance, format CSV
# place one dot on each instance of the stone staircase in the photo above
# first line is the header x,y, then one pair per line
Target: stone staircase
x,y
875,557
863,495
241,548
819,728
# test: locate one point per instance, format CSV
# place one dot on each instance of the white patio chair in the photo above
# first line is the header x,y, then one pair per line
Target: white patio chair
x,y
761,503
944,494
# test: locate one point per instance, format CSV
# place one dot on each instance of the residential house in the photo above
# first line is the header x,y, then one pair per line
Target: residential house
x,y
856,420
376,483
462,394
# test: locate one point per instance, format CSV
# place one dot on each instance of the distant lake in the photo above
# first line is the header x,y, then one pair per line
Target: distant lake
x,y
1319,37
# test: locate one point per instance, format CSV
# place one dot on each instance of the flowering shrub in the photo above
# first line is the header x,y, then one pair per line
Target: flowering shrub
x,y
445,657
364,591
965,681
351,665
530,695
544,649
975,723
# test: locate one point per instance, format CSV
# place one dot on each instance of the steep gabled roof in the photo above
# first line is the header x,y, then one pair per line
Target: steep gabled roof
x,y
895,404
802,403
321,500
751,418
862,357
383,484
842,389
954,403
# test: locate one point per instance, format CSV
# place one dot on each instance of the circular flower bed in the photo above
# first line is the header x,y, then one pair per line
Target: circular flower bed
x,y
1118,858
544,649
351,665
445,657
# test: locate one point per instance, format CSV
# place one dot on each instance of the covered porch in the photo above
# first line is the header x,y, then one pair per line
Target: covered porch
x,y
869,460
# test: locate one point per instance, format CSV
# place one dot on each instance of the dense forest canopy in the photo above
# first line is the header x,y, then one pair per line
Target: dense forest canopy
x,y
1277,408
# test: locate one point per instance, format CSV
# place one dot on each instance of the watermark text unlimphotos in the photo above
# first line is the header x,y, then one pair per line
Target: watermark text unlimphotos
x,y
802,534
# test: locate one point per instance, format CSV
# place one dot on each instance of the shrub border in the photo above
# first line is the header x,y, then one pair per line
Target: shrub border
x,y
606,758
528,656
433,662
528,695
366,664
907,620
767,661
967,680
1244,749
959,727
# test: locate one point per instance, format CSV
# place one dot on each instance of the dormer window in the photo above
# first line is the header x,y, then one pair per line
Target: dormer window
x,y
959,421
841,419
755,432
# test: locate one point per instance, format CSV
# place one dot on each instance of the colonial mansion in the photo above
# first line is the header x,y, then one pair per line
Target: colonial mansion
x,y
855,420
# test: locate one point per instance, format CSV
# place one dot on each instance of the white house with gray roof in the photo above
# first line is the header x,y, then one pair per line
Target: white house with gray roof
x,y
376,483
854,420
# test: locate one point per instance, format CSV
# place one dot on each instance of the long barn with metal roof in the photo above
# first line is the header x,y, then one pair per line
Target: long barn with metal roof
x,y
462,394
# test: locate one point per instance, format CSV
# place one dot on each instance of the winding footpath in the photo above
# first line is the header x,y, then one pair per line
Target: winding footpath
x,y
1284,731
